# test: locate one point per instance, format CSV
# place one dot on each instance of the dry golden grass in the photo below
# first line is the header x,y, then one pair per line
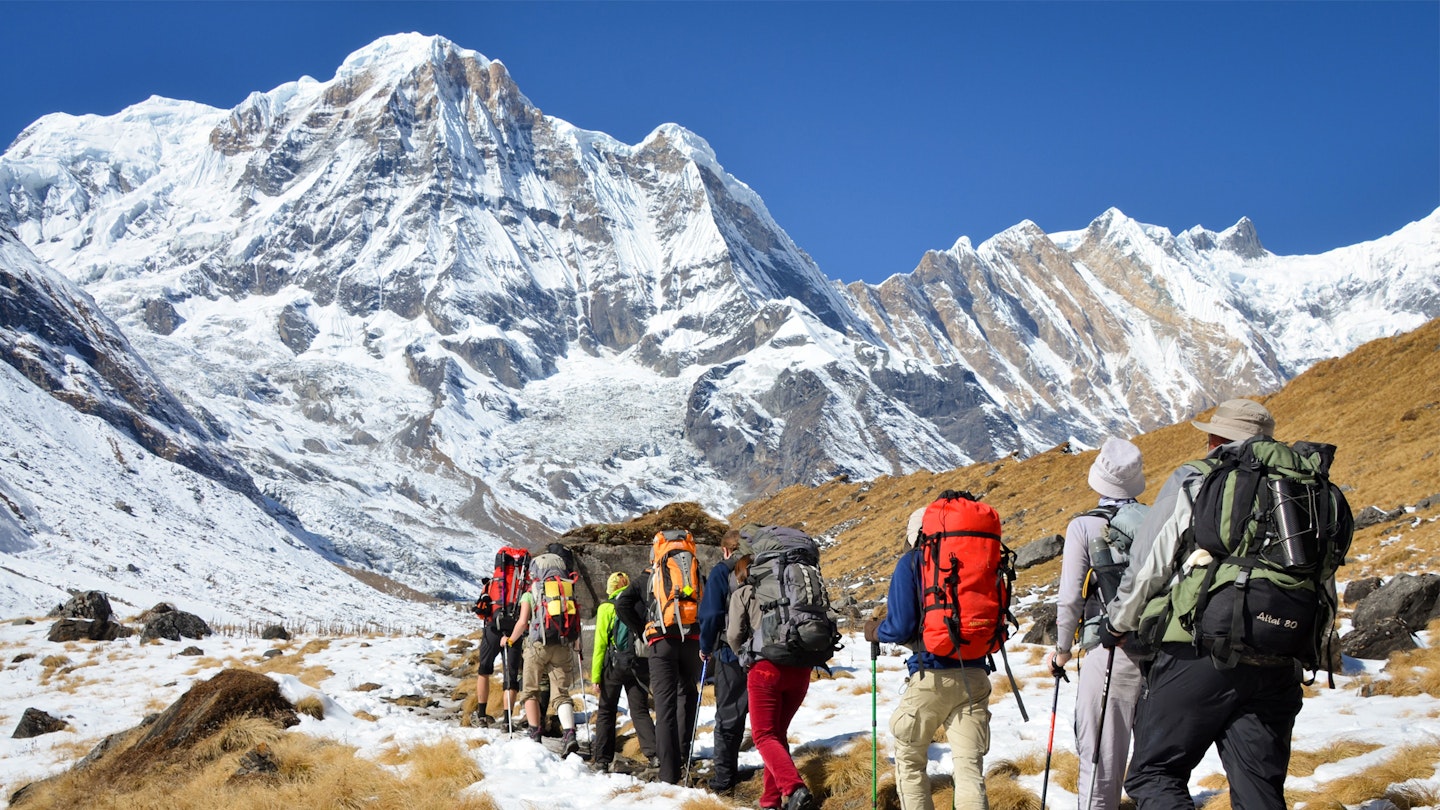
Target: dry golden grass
x,y
311,705
236,735
293,663
1217,781
1005,793
312,773
1304,763
1380,405
1411,762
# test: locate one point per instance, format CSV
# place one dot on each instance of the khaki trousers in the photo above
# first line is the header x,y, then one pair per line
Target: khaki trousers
x,y
932,698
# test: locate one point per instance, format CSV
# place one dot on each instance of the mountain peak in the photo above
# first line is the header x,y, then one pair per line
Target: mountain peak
x,y
407,51
1243,239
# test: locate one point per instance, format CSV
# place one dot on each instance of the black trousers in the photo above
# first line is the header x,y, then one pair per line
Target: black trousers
x,y
675,689
1247,712
490,648
635,683
732,703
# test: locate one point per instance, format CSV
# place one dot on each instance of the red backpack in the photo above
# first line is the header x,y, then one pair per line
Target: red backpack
x,y
510,580
966,578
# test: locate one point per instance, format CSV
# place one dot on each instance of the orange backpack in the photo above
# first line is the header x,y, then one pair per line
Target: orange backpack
x,y
675,586
966,575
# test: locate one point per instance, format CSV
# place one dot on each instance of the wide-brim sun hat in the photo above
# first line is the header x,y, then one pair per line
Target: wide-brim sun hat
x,y
1238,420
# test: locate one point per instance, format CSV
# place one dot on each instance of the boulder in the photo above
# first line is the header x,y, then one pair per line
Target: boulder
x,y
1376,641
1039,551
275,631
1043,630
1407,597
174,625
258,763
87,630
201,712
35,722
1357,590
1374,515
93,605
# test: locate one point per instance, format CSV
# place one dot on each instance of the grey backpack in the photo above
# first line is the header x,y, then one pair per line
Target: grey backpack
x,y
796,627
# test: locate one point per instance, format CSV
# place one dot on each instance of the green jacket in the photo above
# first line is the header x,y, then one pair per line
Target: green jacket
x,y
605,620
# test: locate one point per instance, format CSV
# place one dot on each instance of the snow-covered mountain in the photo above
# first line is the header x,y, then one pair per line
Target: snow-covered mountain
x,y
108,483
425,317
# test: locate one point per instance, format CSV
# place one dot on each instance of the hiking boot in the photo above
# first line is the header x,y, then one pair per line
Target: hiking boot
x,y
602,767
801,799
534,733
568,745
483,720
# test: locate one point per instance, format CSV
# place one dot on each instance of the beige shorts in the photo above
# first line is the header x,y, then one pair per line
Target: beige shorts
x,y
559,660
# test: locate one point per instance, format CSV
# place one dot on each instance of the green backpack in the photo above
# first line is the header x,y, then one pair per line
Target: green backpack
x,y
1275,530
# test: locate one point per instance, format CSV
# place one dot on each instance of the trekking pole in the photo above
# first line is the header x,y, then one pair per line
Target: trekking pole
x,y
874,732
1100,730
695,726
1014,687
505,676
1059,673
584,699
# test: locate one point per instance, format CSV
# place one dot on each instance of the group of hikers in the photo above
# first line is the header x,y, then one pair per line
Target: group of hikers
x,y
1201,612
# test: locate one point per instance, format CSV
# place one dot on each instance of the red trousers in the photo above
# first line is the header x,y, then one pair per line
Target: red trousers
x,y
776,693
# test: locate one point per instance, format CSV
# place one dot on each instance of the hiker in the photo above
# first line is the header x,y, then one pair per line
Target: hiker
x,y
671,592
949,683
550,617
1096,552
616,665
731,704
776,683
1228,689
498,607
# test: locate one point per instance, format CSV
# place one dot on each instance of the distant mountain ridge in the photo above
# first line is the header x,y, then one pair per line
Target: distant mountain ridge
x,y
428,318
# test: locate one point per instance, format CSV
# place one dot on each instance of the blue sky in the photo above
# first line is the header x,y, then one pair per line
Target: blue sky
x,y
876,131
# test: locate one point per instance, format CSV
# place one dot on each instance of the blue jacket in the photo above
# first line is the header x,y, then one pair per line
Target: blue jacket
x,y
902,619
714,606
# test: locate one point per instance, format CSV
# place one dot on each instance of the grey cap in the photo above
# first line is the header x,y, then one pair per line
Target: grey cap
x,y
1238,420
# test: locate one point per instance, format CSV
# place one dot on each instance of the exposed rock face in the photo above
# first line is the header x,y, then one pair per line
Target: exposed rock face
x,y
1406,598
1375,641
57,337
35,722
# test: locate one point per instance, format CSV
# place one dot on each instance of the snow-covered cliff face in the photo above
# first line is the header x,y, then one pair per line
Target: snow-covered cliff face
x,y
428,318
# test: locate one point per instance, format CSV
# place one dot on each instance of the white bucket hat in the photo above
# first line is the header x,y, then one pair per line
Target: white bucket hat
x,y
1118,472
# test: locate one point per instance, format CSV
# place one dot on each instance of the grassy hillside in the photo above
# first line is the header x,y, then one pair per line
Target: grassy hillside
x,y
1380,405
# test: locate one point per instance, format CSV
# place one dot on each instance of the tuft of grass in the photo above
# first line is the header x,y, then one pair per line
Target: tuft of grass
x,y
311,705
1217,781
1412,762
236,735
1007,794
1304,763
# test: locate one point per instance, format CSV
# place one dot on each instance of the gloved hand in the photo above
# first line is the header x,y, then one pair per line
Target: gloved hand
x,y
1110,638
872,628
1055,661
